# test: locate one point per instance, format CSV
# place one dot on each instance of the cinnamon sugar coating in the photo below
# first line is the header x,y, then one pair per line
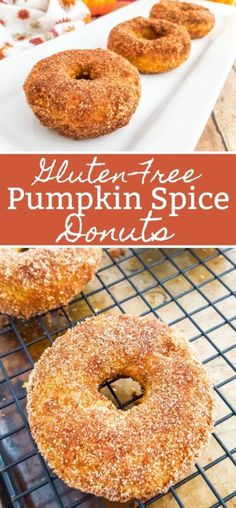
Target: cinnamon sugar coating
x,y
97,448
83,93
35,280
151,45
198,20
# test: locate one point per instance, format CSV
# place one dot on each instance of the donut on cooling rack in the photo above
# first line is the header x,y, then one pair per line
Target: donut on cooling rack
x,y
83,93
198,20
151,45
33,281
97,448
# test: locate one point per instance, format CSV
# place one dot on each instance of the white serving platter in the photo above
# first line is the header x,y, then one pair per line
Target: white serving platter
x,y
174,107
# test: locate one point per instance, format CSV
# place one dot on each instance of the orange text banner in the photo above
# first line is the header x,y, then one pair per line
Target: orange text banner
x,y
118,199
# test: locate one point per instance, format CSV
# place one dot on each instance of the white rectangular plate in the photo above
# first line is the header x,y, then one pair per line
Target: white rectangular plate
x,y
174,107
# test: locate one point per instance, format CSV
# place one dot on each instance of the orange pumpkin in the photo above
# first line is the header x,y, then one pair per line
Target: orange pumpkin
x,y
98,7
230,2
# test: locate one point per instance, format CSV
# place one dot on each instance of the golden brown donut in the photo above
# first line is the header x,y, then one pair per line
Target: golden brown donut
x,y
95,447
151,45
197,20
35,280
83,93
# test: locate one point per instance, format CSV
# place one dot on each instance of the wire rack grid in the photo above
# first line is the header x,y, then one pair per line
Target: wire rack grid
x,y
191,289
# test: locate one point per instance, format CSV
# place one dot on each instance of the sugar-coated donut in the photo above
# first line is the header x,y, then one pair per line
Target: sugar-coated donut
x,y
35,280
198,20
83,93
151,45
95,447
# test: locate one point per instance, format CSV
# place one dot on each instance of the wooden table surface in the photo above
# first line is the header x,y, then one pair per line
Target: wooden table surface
x,y
220,131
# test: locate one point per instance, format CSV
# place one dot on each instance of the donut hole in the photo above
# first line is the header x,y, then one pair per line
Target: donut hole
x,y
85,75
149,33
123,392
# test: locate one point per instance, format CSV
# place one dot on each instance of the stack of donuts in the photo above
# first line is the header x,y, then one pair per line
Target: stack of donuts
x,y
88,93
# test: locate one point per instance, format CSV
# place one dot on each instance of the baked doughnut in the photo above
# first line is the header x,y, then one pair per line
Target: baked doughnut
x,y
151,45
197,20
35,280
95,447
83,93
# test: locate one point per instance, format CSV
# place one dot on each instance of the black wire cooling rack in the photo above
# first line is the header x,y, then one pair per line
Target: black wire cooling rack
x,y
191,289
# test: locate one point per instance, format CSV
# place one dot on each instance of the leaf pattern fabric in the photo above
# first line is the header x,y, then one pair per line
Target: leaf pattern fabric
x,y
27,23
